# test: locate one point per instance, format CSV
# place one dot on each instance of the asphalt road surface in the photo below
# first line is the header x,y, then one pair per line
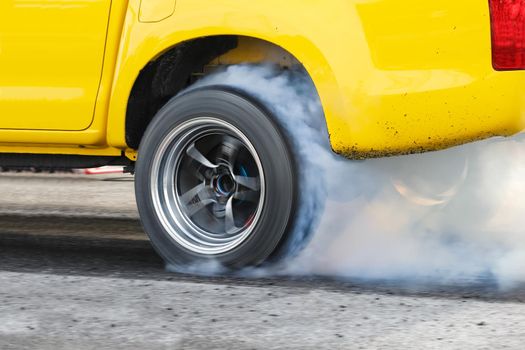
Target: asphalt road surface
x,y
77,272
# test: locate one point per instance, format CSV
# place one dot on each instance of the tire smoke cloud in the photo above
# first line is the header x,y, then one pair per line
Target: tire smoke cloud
x,y
450,215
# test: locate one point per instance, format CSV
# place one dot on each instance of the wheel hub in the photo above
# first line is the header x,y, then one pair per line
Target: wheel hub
x,y
224,185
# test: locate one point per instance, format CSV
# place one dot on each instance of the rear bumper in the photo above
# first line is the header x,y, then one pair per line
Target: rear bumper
x,y
419,77
431,110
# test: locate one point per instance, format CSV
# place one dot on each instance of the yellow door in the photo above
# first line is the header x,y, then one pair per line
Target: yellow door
x,y
51,57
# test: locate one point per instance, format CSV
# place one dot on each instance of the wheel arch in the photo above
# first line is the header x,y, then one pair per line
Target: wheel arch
x,y
131,109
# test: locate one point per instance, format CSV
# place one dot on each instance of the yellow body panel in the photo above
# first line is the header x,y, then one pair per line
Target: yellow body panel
x,y
394,76
51,57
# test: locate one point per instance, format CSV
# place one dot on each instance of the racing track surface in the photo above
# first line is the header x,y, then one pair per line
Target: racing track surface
x,y
77,272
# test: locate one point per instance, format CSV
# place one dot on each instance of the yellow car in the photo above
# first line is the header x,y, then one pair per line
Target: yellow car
x,y
96,82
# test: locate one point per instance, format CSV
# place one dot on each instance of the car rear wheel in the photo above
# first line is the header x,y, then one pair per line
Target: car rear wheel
x,y
215,180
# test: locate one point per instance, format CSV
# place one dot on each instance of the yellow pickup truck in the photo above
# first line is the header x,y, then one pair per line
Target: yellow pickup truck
x,y
95,82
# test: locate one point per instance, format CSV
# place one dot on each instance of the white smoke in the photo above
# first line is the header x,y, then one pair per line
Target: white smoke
x,y
453,214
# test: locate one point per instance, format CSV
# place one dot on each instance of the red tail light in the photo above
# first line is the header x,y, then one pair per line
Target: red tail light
x,y
508,34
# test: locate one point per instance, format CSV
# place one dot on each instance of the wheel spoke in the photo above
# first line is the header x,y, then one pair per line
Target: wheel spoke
x,y
187,196
194,208
248,196
196,199
229,220
194,153
196,171
249,182
219,210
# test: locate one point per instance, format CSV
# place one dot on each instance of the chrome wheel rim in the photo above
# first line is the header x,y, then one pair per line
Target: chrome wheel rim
x,y
207,186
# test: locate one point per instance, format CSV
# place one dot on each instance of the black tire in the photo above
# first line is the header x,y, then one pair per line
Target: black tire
x,y
280,200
